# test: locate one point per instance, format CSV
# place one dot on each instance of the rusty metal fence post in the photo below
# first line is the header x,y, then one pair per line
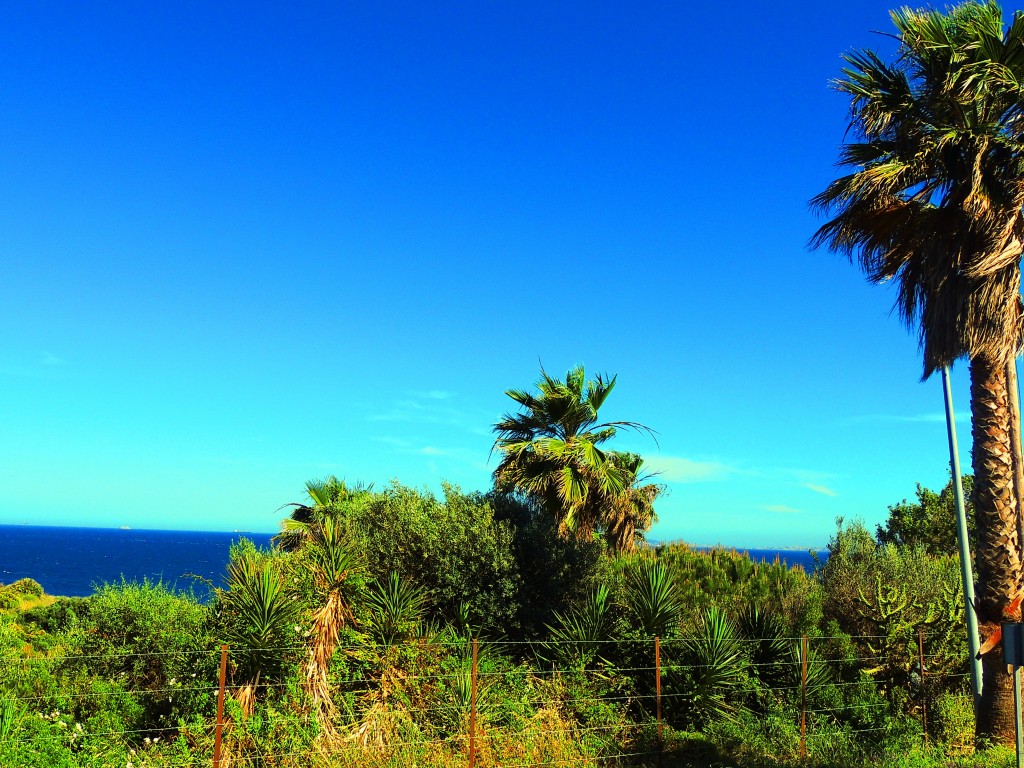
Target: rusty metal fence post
x,y
803,697
472,708
220,706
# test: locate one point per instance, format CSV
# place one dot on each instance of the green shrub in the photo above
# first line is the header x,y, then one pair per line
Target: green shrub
x,y
951,722
883,596
454,549
25,587
147,639
60,615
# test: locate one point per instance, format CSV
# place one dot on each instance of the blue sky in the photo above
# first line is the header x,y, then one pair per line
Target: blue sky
x,y
247,245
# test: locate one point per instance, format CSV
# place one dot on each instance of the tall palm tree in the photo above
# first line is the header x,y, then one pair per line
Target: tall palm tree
x,y
932,201
552,450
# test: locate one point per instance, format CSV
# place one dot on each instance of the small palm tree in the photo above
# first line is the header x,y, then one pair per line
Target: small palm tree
x,y
327,498
336,580
932,201
553,451
630,513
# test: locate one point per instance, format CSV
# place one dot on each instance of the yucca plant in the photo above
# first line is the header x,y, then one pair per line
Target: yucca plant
x,y
460,688
259,615
706,672
768,648
576,636
653,597
396,609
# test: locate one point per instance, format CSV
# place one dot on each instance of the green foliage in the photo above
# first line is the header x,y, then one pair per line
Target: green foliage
x,y
395,609
455,550
883,595
60,615
652,596
25,588
731,581
578,636
258,613
706,672
930,522
555,572
951,721
731,658
141,637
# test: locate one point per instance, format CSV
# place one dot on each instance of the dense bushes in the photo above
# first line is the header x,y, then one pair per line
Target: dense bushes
x,y
453,548
358,631
884,596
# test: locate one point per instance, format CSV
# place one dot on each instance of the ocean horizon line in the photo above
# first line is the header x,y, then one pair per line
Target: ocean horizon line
x,y
650,541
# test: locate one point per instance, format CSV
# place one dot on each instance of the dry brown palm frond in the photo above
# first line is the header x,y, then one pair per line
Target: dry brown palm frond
x,y
245,695
328,621
383,725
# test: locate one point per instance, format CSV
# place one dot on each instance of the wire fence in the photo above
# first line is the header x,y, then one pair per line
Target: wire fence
x,y
472,703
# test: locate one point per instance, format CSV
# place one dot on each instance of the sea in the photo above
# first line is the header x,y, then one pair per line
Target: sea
x,y
73,562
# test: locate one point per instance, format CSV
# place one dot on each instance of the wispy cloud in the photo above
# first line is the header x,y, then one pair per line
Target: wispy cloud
x,y
412,448
424,408
678,469
936,417
435,394
49,359
780,508
824,490
42,364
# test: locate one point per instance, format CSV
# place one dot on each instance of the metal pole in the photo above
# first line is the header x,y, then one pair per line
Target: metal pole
x,y
472,709
220,706
924,696
1016,450
1016,711
657,682
803,697
966,572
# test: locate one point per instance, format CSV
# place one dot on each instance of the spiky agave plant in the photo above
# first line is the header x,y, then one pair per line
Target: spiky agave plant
x,y
336,580
768,645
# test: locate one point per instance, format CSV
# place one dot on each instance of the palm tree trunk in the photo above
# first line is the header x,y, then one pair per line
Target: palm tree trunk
x,y
998,551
